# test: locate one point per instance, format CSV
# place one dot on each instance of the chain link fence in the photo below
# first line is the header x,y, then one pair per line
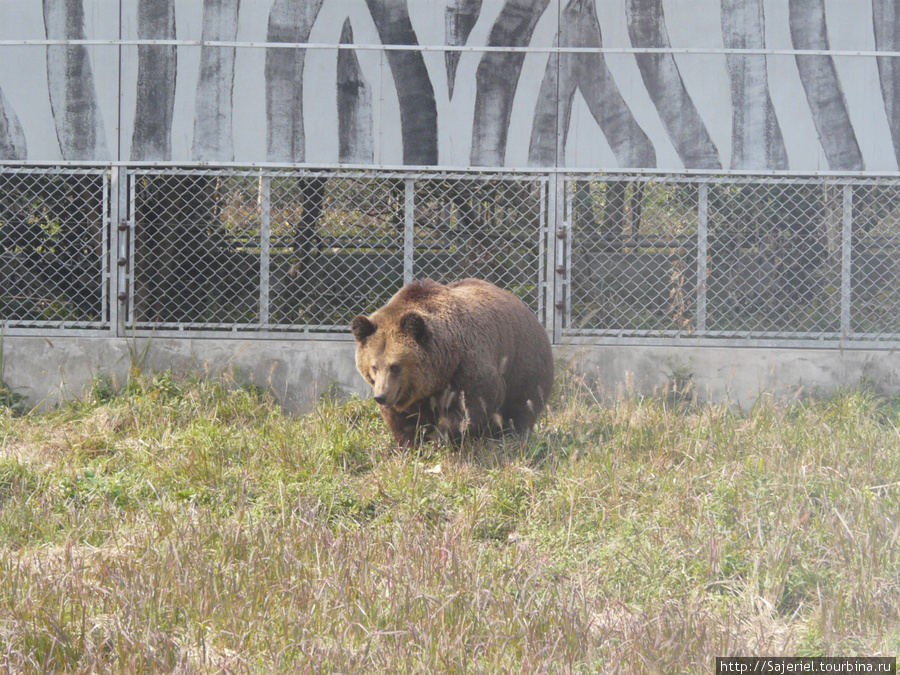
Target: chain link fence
x,y
775,259
54,243
597,257
291,251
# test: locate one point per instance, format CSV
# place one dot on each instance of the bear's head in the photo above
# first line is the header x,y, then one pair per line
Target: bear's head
x,y
391,354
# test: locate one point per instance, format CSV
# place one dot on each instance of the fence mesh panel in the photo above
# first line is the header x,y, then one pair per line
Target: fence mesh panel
x,y
774,265
488,228
195,250
54,231
632,258
875,276
781,259
337,246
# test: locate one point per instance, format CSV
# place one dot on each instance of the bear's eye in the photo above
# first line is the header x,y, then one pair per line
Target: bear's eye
x,y
395,369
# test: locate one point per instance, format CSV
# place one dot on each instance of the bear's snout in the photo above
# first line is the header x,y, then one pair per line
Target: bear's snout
x,y
386,393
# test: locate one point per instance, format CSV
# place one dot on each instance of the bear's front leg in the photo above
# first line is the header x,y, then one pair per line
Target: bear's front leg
x,y
407,425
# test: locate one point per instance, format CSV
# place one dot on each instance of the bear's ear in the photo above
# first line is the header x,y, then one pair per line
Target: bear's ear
x,y
414,325
362,327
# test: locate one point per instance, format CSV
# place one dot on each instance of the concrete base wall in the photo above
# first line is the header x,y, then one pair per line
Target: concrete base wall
x,y
49,370
739,375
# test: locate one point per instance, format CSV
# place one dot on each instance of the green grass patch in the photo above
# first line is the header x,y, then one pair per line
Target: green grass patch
x,y
188,525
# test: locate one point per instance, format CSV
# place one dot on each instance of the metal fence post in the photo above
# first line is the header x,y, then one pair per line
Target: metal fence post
x,y
846,261
119,253
109,286
702,244
550,258
556,254
265,241
543,239
409,212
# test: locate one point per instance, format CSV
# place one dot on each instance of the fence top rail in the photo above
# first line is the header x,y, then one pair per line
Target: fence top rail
x,y
736,342
44,168
6,324
508,173
729,179
355,174
547,49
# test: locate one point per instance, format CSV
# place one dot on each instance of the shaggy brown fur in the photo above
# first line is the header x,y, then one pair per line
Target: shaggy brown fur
x,y
468,359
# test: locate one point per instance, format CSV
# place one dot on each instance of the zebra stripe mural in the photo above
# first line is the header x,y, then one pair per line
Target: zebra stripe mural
x,y
231,81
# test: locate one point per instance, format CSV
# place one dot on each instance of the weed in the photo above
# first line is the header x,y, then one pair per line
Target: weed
x,y
10,400
680,387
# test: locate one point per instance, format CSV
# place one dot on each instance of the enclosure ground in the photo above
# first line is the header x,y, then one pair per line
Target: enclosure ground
x,y
189,525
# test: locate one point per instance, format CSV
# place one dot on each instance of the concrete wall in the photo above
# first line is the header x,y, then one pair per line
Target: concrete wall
x,y
736,374
49,370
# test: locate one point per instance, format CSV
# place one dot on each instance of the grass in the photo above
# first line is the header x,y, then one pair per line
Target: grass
x,y
188,525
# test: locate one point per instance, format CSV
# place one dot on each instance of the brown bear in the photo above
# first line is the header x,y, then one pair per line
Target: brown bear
x,y
466,359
